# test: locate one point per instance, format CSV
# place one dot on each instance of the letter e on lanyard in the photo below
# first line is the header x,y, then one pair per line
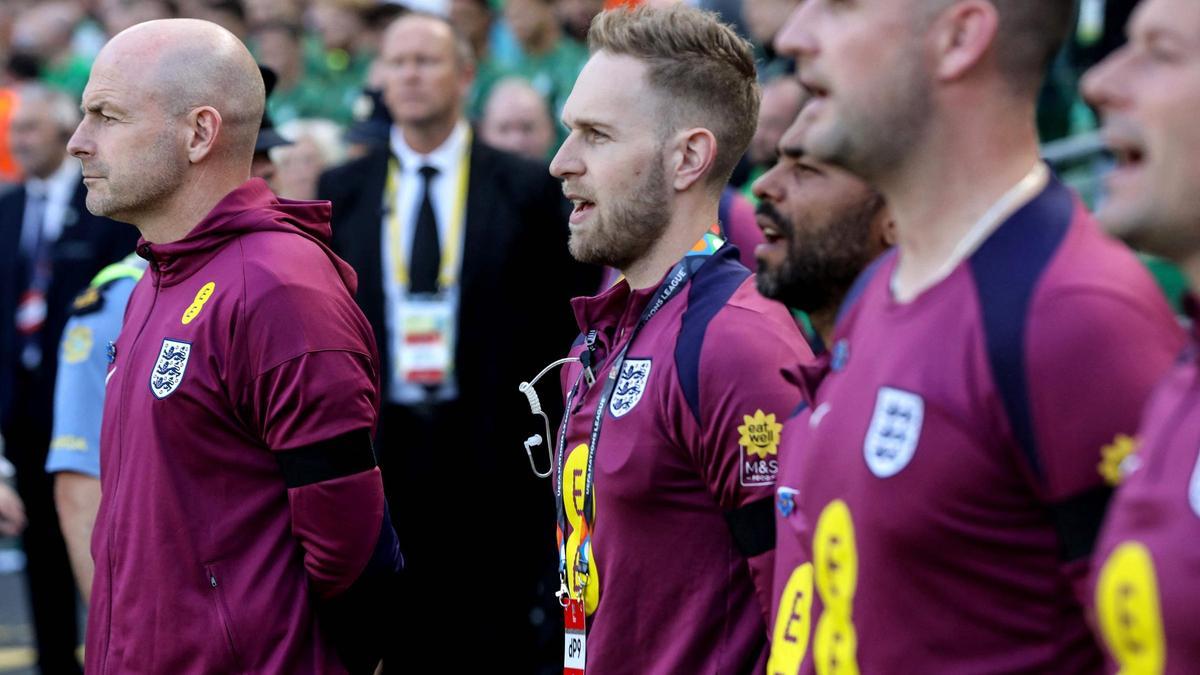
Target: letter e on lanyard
x,y
575,650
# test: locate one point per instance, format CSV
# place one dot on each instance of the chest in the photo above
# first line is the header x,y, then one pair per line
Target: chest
x,y
908,429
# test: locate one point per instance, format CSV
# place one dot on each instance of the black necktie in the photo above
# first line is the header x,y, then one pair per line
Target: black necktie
x,y
426,255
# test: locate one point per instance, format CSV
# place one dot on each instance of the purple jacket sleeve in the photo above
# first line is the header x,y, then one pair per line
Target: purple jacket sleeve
x,y
744,400
317,411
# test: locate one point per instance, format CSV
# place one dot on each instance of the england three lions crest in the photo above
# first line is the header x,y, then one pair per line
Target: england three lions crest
x,y
630,386
169,368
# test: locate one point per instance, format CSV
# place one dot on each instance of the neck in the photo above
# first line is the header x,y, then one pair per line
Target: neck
x,y
823,321
685,229
426,137
183,210
966,173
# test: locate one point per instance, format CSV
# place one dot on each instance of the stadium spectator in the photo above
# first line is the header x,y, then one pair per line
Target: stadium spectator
x,y
665,465
946,495
549,60
576,16
316,145
764,19
280,47
52,248
340,58
117,15
781,100
466,254
259,12
517,120
475,20
275,514
43,34
1144,580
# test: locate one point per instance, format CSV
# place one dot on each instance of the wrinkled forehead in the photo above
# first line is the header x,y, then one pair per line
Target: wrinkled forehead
x,y
119,82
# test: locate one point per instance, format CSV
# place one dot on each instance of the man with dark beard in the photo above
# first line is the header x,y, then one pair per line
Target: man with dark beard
x,y
822,226
665,525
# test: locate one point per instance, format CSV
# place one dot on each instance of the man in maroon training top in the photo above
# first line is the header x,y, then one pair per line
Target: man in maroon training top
x,y
1145,581
668,456
240,492
942,492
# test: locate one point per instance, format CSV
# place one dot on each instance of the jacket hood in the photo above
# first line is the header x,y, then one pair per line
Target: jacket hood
x,y
250,208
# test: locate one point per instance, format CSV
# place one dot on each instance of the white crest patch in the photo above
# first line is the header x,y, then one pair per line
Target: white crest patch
x,y
895,429
169,368
630,386
1194,488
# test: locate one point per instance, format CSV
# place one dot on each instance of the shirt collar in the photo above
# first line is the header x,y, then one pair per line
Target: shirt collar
x,y
444,158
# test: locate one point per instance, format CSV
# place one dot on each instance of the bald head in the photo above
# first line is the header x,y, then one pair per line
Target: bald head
x,y
171,112
185,64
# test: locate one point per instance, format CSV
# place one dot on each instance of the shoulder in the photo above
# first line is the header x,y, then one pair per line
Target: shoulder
x,y
272,260
730,335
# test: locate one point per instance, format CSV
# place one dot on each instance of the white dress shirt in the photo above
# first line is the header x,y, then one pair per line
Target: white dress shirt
x,y
448,159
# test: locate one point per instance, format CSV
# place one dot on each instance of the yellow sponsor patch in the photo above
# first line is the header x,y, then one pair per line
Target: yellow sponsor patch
x,y
1128,610
835,562
77,344
1115,462
202,297
793,623
760,434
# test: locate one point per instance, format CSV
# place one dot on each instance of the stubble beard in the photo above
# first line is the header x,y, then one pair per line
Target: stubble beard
x,y
625,231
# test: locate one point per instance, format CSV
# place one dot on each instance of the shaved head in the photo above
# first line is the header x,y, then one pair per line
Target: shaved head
x,y
171,112
186,64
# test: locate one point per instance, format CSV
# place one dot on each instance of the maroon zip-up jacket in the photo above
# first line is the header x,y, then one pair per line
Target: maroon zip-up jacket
x,y
239,486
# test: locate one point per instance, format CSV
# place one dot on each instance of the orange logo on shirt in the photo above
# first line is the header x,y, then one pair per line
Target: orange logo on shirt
x,y
202,297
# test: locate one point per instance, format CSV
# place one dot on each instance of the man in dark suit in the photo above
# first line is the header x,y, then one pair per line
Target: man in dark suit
x,y
465,275
51,248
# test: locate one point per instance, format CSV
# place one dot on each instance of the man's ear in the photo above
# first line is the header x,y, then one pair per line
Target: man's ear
x,y
963,34
204,125
696,151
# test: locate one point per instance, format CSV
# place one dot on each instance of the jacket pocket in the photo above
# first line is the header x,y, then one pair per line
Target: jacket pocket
x,y
218,600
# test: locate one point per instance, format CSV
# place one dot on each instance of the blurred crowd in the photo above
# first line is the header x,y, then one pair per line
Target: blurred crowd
x,y
327,100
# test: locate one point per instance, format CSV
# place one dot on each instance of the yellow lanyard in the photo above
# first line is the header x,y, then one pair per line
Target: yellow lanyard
x,y
452,245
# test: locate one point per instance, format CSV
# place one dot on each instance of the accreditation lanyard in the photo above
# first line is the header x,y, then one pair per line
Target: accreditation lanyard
x,y
453,245
675,282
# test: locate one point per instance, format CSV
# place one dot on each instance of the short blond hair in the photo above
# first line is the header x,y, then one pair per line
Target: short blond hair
x,y
703,70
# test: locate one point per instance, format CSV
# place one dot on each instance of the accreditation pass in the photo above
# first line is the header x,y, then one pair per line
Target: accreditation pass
x,y
575,648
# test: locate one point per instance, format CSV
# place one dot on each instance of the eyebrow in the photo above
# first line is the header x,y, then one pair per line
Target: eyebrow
x,y
585,123
98,106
